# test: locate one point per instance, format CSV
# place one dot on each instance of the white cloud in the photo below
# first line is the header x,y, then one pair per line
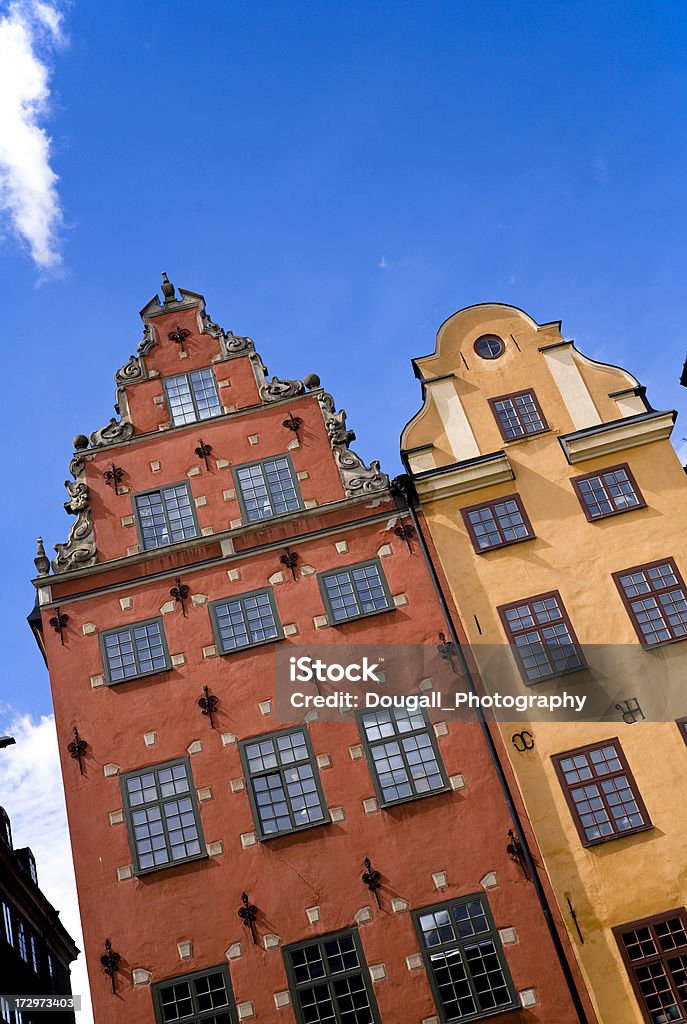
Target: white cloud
x,y
383,263
29,31
31,792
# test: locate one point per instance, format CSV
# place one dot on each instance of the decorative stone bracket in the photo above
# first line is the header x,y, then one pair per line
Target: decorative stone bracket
x,y
79,551
356,476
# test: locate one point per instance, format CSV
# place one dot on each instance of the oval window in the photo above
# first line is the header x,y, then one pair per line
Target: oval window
x,y
489,346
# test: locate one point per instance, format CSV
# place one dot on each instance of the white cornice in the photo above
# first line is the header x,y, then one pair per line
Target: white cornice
x,y
464,476
617,436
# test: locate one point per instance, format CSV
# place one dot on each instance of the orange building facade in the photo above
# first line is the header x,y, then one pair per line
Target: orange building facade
x,y
220,852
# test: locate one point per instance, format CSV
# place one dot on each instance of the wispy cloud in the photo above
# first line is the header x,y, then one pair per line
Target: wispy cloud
x,y
31,792
30,30
383,263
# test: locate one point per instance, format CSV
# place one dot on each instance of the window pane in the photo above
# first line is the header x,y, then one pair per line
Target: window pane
x,y
268,489
205,393
542,638
328,981
192,396
165,516
162,819
133,651
283,779
657,602
357,590
246,620
205,997
178,391
603,793
518,415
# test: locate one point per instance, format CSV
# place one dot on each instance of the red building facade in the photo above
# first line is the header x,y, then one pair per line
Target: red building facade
x,y
219,851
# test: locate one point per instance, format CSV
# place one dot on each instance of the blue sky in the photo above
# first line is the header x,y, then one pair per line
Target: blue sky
x,y
337,179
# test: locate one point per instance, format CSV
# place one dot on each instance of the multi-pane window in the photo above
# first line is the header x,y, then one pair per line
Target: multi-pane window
x,y
162,816
496,523
655,955
34,952
165,516
329,981
465,962
7,922
283,781
608,492
656,599
21,941
133,651
267,488
518,415
402,754
542,637
245,620
192,396
601,792
355,591
205,997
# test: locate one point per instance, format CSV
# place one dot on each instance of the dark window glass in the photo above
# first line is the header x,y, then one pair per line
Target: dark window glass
x,y
518,415
497,523
21,941
245,620
329,981
655,954
192,396
402,754
601,792
541,636
655,598
604,494
135,650
354,591
464,958
34,953
194,998
489,346
284,783
166,516
267,488
7,923
5,828
164,827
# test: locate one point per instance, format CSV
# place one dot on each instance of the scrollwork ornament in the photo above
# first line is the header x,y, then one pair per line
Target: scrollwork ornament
x,y
112,432
132,371
276,389
357,478
233,345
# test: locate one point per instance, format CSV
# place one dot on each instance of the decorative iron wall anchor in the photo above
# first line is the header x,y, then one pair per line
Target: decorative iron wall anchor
x,y
290,560
58,622
522,741
574,917
202,451
77,749
447,650
293,423
372,879
113,477
179,336
208,705
631,711
248,913
405,531
110,961
515,852
180,592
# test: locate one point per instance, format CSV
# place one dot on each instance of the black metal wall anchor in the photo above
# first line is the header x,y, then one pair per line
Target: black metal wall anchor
x,y
113,477
516,853
522,740
180,592
630,710
202,451
110,961
179,336
77,749
248,913
447,650
58,622
208,705
575,922
293,423
404,532
372,879
290,560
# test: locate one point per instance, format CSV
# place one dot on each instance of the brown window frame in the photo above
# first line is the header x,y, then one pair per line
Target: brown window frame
x,y
627,601
625,770
512,634
537,406
465,512
599,474
662,957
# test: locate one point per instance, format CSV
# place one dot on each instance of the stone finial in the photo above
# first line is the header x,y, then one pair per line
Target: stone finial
x,y
311,381
167,289
80,442
41,561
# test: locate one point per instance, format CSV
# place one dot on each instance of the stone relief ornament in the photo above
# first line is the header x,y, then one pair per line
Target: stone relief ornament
x,y
132,371
275,389
79,551
356,476
233,345
115,430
